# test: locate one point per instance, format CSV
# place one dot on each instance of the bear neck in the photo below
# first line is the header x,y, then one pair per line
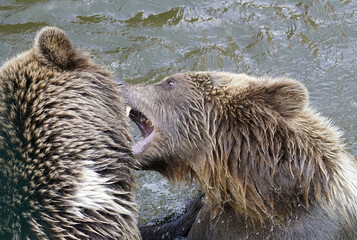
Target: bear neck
x,y
265,166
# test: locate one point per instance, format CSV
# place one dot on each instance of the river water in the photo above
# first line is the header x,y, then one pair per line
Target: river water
x,y
313,41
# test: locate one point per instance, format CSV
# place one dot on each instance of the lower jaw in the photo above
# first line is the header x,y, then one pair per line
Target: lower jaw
x,y
139,146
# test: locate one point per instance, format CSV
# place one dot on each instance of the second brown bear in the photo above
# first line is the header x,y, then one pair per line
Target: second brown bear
x,y
270,166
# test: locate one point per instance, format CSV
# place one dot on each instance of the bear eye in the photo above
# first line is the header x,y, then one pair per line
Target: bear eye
x,y
169,83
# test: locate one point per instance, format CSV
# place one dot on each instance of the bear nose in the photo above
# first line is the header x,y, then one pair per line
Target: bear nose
x,y
120,81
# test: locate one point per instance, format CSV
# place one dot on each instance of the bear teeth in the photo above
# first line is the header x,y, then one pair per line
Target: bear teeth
x,y
145,120
127,110
145,125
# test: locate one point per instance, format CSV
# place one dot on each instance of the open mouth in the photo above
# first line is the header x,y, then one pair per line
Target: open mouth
x,y
144,124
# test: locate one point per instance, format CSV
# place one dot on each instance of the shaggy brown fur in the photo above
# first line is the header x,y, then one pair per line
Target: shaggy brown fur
x,y
269,165
65,157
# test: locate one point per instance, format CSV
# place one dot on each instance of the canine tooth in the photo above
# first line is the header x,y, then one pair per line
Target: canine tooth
x,y
128,109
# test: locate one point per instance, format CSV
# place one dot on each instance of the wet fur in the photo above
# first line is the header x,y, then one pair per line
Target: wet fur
x,y
263,157
64,148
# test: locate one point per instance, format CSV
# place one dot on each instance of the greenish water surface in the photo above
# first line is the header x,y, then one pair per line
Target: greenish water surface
x,y
312,41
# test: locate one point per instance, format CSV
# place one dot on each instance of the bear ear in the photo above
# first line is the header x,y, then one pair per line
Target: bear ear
x,y
52,46
286,96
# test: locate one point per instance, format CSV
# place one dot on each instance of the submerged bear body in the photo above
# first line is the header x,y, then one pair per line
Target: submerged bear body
x,y
270,167
65,158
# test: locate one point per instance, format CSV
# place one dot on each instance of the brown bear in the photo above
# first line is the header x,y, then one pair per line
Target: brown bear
x,y
65,157
270,166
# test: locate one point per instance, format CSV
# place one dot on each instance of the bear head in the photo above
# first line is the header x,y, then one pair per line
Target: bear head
x,y
64,147
252,143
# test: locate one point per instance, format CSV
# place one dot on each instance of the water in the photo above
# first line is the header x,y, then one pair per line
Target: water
x,y
312,41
